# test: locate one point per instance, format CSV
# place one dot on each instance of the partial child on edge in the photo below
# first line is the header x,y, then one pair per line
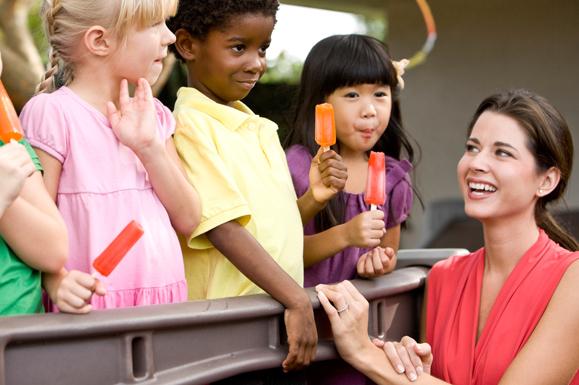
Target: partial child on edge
x,y
32,234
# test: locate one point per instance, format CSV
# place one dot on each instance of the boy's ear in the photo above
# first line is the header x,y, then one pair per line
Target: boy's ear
x,y
98,41
186,45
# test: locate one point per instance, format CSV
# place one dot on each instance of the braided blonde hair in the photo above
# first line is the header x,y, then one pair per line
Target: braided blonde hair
x,y
66,21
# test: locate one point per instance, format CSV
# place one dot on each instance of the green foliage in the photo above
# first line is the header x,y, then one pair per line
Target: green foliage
x,y
283,69
37,30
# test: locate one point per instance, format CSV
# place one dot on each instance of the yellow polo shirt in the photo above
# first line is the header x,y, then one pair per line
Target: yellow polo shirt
x,y
235,161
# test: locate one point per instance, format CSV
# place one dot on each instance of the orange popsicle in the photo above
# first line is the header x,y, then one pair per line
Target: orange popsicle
x,y
325,126
9,123
376,182
112,255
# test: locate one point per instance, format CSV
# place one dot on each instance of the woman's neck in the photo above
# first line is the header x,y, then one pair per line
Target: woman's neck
x,y
506,240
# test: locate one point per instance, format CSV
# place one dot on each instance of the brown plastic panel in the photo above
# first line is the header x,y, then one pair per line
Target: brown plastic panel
x,y
190,343
425,257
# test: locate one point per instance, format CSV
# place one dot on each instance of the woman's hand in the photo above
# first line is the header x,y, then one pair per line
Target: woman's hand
x,y
135,121
407,356
376,262
366,229
328,175
347,310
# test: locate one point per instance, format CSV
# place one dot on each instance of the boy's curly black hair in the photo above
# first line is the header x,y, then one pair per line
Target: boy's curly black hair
x,y
198,17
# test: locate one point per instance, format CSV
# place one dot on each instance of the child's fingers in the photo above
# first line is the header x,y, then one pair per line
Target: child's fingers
x,y
369,266
124,98
361,264
147,92
99,288
377,263
112,114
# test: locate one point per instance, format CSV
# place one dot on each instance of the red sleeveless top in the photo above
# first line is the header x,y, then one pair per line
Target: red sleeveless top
x,y
454,291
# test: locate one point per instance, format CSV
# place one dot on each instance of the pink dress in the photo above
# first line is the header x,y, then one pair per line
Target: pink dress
x,y
103,186
454,291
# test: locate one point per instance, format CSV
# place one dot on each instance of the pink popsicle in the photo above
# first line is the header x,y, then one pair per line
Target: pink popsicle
x,y
376,182
114,253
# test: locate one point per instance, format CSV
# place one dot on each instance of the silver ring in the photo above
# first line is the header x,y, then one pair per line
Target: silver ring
x,y
343,309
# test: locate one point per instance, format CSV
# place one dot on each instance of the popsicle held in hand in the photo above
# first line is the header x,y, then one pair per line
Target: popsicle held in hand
x,y
376,182
325,126
9,124
114,253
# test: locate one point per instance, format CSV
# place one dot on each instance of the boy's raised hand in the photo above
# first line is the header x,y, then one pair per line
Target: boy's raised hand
x,y
15,167
375,262
302,337
135,122
328,175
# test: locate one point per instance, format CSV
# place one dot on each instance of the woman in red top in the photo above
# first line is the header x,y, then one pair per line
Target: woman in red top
x,y
509,312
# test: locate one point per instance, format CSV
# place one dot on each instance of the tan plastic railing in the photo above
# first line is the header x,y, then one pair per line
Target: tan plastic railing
x,y
190,343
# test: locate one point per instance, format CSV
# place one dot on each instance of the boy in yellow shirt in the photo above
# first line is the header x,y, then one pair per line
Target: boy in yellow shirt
x,y
250,238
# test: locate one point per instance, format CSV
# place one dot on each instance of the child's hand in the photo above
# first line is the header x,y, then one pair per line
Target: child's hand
x,y
74,291
407,356
135,122
366,229
302,337
15,167
328,175
375,262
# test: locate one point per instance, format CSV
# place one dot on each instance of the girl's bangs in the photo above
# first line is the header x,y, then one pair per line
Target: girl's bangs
x,y
361,67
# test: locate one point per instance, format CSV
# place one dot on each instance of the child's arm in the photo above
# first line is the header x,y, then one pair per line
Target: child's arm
x,y
243,250
364,230
135,125
327,176
15,168
32,225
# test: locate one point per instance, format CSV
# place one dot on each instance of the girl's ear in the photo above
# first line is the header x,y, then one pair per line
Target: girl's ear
x,y
549,181
186,45
98,41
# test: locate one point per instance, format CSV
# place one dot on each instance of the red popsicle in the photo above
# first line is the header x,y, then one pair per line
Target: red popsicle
x,y
9,123
112,255
325,126
376,182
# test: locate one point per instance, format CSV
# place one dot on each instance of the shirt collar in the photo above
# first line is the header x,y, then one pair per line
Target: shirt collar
x,y
231,116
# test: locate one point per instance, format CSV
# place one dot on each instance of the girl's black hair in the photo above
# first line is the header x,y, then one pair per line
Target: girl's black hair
x,y
199,17
342,61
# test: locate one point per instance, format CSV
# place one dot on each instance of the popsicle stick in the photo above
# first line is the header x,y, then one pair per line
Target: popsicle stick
x,y
325,148
373,207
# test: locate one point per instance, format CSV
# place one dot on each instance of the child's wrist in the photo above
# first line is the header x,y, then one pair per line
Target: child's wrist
x,y
150,152
319,204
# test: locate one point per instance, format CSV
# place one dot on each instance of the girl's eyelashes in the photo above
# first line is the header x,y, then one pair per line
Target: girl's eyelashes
x,y
380,94
351,94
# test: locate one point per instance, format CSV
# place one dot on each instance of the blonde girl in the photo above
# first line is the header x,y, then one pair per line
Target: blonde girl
x,y
108,157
